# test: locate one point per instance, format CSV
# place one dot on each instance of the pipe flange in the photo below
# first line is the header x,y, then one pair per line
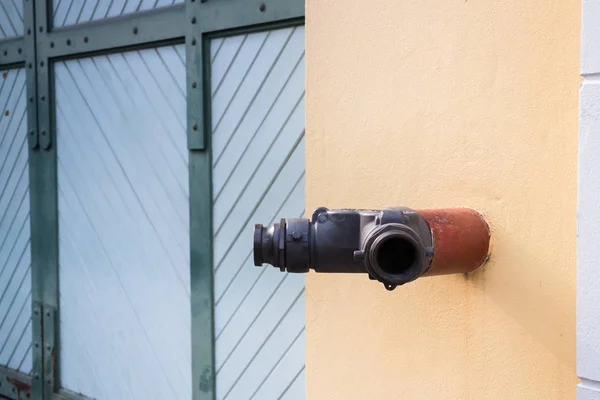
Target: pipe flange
x,y
394,254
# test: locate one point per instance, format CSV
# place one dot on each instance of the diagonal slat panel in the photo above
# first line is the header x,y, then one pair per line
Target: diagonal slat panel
x,y
72,12
258,176
282,373
293,390
124,225
11,18
15,255
240,281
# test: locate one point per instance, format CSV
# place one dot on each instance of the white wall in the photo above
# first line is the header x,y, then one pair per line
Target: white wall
x,y
588,213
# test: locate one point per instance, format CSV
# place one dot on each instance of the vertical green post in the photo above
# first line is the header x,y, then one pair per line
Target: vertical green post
x,y
203,18
36,197
200,171
44,258
203,377
44,208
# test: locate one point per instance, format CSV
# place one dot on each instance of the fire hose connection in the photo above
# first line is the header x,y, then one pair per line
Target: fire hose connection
x,y
393,245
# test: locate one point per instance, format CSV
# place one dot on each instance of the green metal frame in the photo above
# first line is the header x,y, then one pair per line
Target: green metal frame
x,y
196,22
116,34
213,20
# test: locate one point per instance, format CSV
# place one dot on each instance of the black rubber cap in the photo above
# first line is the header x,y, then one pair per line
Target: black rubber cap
x,y
258,253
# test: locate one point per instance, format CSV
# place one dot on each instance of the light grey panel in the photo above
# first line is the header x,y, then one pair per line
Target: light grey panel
x,y
293,391
124,225
258,176
11,18
71,12
15,255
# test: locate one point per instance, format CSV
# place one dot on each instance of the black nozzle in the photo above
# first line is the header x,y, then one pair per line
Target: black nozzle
x,y
285,245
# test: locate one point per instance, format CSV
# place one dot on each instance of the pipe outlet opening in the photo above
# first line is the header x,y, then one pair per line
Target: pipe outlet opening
x,y
396,255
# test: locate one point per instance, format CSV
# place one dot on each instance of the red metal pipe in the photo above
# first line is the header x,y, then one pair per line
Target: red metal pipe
x,y
461,240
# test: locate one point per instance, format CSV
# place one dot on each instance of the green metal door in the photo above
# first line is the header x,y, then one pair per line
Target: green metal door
x,y
106,243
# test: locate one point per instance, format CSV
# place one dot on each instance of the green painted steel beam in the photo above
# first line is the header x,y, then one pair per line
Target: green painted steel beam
x,y
200,189
231,15
203,364
12,52
201,235
14,384
43,186
142,29
44,261
36,196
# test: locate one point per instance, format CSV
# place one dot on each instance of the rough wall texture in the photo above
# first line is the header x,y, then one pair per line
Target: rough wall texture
x,y
441,104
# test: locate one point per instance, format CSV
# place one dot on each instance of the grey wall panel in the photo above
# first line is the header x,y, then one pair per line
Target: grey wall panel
x,y
71,12
295,389
11,18
283,374
15,255
258,176
124,225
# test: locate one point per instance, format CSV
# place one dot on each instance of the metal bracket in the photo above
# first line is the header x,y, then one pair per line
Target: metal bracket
x,y
30,73
132,30
37,352
12,51
43,86
50,372
195,82
42,8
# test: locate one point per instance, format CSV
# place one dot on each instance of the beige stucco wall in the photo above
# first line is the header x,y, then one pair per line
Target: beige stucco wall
x,y
440,104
